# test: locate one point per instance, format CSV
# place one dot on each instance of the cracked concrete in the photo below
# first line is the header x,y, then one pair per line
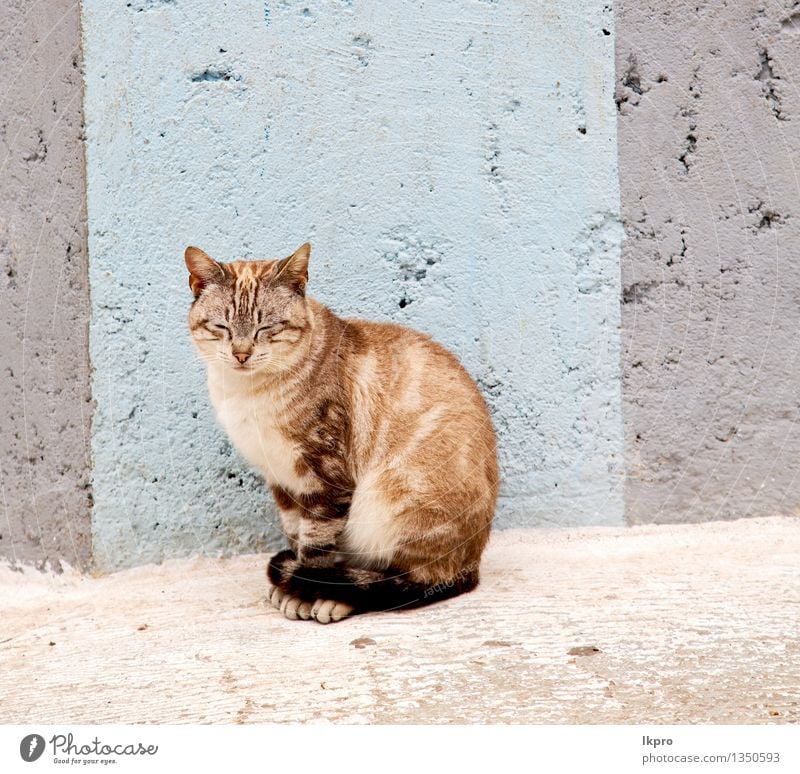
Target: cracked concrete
x,y
706,104
656,624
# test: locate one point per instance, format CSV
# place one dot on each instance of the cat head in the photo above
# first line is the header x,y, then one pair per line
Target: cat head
x,y
248,316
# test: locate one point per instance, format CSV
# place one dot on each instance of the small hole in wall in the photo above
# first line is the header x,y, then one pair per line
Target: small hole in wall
x,y
582,129
606,32
403,303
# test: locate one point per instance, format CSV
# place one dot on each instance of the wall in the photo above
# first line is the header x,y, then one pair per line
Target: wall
x,y
708,105
442,184
44,390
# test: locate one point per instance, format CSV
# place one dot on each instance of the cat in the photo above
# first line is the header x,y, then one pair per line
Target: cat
x,y
377,445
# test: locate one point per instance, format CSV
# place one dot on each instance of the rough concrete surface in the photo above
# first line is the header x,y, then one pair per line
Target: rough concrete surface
x,y
44,379
442,184
709,134
673,624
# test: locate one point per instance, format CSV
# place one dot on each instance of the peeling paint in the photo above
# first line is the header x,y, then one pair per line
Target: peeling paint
x,y
215,74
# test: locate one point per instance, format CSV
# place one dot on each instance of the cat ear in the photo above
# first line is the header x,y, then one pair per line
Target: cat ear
x,y
294,269
203,269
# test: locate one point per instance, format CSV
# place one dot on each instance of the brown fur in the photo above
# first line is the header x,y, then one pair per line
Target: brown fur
x,y
378,447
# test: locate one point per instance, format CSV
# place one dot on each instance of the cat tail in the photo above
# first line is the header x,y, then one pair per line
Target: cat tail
x,y
364,590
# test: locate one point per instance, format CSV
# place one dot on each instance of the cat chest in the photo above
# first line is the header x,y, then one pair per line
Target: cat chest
x,y
256,435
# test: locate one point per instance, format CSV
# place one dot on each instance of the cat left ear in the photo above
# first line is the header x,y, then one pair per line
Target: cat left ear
x,y
294,270
203,269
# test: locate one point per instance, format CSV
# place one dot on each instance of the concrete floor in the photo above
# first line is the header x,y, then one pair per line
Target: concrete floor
x,y
677,624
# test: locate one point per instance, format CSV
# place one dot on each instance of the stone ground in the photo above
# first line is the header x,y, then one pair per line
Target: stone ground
x,y
656,624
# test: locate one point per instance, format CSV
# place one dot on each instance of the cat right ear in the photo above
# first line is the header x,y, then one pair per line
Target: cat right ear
x,y
293,271
203,269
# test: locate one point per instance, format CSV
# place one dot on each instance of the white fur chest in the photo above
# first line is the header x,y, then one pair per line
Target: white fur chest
x,y
253,428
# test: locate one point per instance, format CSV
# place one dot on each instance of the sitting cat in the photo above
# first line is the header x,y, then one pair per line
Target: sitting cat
x,y
377,445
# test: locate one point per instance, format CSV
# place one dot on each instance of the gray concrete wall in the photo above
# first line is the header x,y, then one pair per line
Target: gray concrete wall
x,y
709,134
44,392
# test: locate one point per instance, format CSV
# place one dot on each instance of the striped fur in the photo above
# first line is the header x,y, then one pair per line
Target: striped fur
x,y
377,446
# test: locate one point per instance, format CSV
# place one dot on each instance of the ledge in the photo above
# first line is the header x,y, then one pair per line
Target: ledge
x,y
658,624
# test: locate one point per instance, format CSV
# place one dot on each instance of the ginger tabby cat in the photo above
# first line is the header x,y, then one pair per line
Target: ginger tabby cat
x,y
376,443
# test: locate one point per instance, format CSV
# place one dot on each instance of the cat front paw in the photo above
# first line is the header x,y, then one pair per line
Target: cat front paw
x,y
327,611
280,570
291,607
323,611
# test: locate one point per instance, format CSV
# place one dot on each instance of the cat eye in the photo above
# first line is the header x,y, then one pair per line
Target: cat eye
x,y
218,327
272,330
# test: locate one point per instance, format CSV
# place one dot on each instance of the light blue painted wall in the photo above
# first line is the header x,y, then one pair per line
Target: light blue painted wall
x,y
433,154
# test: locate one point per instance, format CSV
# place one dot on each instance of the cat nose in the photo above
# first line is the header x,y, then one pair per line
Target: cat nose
x,y
242,357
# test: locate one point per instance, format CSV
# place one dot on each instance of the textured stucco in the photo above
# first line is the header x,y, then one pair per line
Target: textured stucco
x,y
454,166
44,389
708,141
